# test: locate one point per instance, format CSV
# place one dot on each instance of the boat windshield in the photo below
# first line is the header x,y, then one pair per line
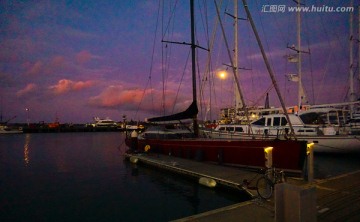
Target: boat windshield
x,y
313,118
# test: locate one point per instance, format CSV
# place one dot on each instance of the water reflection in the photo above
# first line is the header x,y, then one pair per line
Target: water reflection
x,y
27,150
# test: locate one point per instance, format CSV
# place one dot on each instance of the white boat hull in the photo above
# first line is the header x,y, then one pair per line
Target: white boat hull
x,y
12,131
325,144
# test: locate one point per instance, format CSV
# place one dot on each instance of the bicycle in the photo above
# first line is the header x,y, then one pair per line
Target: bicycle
x,y
266,183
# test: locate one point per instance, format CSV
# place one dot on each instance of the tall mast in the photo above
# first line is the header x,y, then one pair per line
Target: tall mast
x,y
300,89
238,102
193,57
267,64
351,62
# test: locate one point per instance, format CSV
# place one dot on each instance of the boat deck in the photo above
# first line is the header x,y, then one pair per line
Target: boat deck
x,y
336,198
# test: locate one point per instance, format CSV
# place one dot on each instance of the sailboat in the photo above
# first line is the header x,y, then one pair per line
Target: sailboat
x,y
324,125
184,143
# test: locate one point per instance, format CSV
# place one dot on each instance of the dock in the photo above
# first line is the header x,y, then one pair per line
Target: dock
x,y
335,199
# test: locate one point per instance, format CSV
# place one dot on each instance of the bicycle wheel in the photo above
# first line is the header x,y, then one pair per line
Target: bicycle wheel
x,y
264,187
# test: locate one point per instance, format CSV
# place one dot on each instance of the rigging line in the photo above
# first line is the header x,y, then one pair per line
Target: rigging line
x,y
328,60
198,73
162,61
204,22
257,102
151,63
310,61
166,57
251,53
325,71
181,80
218,55
346,89
280,30
308,53
209,69
205,25
266,42
268,67
171,16
285,88
232,63
206,75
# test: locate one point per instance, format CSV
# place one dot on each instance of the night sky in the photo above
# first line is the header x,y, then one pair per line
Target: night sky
x,y
74,60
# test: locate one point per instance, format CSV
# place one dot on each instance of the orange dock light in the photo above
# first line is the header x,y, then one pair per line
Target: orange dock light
x,y
268,156
309,148
310,160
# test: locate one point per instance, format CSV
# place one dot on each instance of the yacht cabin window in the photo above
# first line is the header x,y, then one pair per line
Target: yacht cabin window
x,y
268,122
239,129
276,121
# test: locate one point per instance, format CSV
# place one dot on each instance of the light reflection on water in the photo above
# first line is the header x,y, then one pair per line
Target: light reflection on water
x,y
27,149
82,176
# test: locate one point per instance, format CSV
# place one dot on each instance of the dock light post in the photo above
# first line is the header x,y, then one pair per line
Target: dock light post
x,y
310,161
268,156
27,116
124,123
222,75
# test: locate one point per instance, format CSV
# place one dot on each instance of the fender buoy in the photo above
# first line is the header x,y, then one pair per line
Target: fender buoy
x,y
207,182
134,159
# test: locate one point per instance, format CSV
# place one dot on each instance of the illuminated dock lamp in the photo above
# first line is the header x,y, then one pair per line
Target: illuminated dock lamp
x,y
310,161
268,156
309,148
147,148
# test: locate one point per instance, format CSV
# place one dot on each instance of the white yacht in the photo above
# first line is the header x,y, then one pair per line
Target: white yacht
x,y
326,138
107,122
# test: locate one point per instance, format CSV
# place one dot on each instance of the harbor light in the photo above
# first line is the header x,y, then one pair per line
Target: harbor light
x,y
310,161
309,148
222,74
27,116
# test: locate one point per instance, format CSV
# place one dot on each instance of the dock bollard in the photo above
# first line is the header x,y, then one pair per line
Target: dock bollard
x,y
295,203
207,182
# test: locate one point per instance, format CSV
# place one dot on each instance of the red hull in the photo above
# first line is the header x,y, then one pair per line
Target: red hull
x,y
287,154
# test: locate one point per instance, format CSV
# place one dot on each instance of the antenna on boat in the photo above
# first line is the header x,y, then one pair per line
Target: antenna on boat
x,y
268,67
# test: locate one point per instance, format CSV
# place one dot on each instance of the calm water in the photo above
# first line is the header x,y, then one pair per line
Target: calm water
x,y
82,177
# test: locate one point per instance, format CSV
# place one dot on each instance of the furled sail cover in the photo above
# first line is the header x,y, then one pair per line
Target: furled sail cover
x,y
189,113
